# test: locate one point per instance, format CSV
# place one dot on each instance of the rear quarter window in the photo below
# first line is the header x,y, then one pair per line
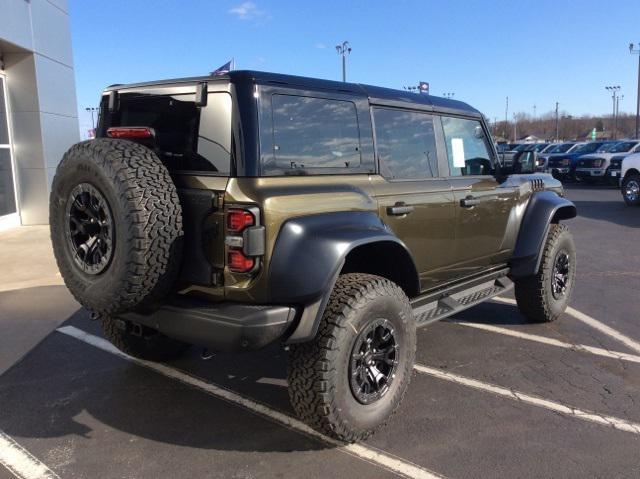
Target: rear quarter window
x,y
309,135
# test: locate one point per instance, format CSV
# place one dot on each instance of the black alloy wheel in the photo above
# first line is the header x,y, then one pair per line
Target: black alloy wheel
x,y
374,359
90,230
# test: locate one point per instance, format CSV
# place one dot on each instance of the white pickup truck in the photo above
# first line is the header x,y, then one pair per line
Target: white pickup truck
x,y
630,179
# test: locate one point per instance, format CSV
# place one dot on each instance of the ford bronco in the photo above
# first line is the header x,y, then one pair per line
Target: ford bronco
x,y
252,208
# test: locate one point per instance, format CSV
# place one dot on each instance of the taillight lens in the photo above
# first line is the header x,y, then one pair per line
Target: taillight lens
x,y
238,220
238,262
130,132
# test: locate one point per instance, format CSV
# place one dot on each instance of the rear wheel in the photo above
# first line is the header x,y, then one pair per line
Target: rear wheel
x,y
631,190
544,296
351,378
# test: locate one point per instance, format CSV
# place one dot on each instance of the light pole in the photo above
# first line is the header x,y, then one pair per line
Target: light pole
x,y
614,97
515,128
344,49
449,95
506,118
636,51
557,123
93,122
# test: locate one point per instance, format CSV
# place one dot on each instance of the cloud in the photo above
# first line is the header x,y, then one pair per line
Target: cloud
x,y
247,11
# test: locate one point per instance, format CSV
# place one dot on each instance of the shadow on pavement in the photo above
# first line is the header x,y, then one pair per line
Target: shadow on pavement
x,y
66,387
612,211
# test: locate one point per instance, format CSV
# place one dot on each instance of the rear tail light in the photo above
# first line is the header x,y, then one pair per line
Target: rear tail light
x,y
238,262
245,239
238,220
130,132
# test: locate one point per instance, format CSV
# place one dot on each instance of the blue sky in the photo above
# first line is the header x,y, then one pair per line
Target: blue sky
x,y
536,52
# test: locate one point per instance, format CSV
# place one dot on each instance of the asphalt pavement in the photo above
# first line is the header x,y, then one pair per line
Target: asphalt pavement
x,y
491,395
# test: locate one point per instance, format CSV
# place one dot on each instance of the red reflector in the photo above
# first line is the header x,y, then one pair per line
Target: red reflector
x,y
238,262
238,220
129,132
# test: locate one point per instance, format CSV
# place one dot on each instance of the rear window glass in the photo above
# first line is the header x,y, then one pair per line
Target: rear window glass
x,y
188,138
314,135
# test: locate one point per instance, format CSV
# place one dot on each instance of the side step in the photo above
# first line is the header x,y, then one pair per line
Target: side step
x,y
449,303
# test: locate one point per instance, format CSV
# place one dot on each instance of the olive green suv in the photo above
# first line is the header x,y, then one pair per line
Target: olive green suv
x,y
241,210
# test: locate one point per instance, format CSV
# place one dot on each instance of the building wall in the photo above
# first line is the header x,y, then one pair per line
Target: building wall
x,y
35,43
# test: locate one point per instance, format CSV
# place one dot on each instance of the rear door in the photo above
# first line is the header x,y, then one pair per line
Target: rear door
x,y
413,199
482,203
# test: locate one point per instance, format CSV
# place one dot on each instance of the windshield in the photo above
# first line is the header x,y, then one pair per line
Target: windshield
x,y
539,147
588,148
562,148
623,147
521,148
607,147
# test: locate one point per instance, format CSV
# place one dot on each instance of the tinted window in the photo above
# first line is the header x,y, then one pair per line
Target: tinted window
x,y
468,149
312,133
623,147
406,144
187,137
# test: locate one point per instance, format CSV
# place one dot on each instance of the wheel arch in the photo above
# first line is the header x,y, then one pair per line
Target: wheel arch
x,y
312,251
543,209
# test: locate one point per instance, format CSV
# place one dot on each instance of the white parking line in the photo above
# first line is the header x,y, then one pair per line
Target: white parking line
x,y
614,422
21,462
594,323
367,453
552,342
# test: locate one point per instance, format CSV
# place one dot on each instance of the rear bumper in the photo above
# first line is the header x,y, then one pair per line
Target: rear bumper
x,y
224,327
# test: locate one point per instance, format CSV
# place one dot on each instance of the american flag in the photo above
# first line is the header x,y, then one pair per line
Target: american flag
x,y
224,69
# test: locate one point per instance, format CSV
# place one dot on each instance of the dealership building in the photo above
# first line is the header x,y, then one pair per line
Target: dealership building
x,y
38,111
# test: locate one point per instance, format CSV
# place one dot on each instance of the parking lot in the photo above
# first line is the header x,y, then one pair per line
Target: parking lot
x,y
491,396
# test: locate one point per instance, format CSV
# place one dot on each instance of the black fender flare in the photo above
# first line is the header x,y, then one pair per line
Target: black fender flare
x,y
308,256
544,208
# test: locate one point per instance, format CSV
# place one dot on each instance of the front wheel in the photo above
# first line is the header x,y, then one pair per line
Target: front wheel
x,y
631,190
351,378
544,296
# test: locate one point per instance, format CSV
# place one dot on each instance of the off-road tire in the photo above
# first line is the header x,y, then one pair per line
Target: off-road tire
x,y
147,221
534,294
625,183
318,372
146,344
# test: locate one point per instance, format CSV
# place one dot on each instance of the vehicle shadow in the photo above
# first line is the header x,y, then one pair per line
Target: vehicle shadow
x,y
67,387
492,313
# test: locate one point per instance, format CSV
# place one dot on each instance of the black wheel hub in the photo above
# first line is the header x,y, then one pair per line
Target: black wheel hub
x,y
90,229
374,359
560,277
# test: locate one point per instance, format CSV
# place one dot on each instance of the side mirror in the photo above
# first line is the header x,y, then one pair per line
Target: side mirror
x,y
524,162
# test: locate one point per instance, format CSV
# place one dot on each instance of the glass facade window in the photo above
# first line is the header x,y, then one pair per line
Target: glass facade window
x,y
7,192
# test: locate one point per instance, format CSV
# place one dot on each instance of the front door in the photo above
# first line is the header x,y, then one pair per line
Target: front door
x,y
413,200
482,203
8,208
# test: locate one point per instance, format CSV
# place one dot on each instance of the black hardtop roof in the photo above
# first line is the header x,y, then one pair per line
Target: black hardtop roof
x,y
374,93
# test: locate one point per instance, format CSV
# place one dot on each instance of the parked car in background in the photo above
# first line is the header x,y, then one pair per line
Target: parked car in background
x,y
563,167
630,179
553,150
508,156
595,167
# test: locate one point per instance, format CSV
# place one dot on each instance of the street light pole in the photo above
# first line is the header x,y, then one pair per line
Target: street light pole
x,y
557,123
614,97
344,49
636,51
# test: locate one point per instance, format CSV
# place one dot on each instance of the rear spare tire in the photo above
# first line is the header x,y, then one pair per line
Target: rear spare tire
x,y
116,225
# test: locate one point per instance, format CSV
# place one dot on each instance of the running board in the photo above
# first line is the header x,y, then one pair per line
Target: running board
x,y
448,304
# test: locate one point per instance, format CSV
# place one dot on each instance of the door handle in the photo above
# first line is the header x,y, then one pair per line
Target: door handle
x,y
399,209
470,202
